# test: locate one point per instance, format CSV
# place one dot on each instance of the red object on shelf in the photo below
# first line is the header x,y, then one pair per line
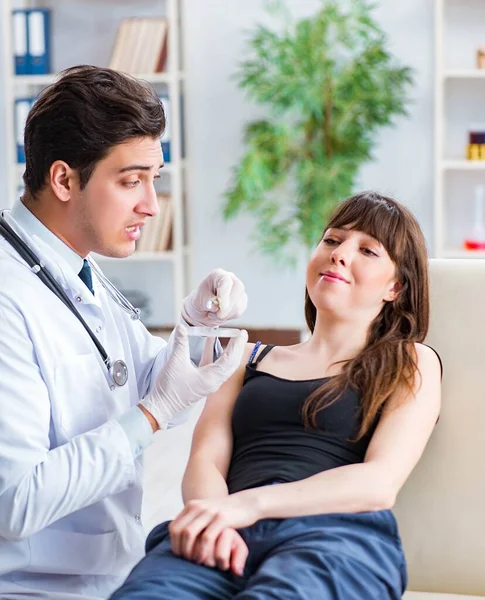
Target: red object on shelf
x,y
474,245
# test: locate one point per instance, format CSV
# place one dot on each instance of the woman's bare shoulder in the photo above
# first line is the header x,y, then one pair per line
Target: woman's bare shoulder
x,y
428,359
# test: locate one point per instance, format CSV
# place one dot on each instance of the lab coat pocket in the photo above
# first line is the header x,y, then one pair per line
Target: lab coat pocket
x,y
72,553
80,388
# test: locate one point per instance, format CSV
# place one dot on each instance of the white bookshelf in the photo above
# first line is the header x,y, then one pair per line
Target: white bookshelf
x,y
459,93
98,51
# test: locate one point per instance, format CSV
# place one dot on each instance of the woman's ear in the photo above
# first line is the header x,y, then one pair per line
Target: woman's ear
x,y
393,292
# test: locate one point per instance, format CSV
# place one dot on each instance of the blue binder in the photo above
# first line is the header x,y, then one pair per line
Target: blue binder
x,y
20,42
39,41
167,135
22,107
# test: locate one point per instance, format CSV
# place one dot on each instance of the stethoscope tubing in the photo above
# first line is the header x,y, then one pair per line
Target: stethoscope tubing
x,y
48,280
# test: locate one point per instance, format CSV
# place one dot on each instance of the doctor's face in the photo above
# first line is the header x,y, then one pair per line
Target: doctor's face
x,y
109,213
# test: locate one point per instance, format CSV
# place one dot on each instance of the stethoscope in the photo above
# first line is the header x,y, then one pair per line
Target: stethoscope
x,y
117,369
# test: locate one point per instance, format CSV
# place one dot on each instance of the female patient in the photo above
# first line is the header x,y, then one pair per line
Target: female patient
x,y
297,460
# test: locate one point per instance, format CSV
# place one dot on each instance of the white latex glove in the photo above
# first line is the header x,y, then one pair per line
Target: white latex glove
x,y
180,384
231,296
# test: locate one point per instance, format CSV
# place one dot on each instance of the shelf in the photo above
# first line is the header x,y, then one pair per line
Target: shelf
x,y
42,80
462,253
464,74
463,165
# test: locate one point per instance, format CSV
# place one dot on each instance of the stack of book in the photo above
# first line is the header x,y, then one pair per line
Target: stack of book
x,y
157,232
140,46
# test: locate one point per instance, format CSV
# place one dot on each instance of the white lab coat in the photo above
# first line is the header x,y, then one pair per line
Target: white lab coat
x,y
70,486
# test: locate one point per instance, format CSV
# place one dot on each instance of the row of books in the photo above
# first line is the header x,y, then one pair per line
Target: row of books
x,y
140,46
157,233
31,41
23,106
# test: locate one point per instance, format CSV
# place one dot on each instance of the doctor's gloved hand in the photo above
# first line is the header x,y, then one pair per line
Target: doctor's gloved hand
x,y
180,384
231,302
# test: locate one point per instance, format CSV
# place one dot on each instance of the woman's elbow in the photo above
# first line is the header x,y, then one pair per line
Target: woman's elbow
x,y
386,500
382,493
383,497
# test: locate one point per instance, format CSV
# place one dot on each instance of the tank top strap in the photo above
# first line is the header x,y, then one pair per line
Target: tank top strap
x,y
257,346
260,357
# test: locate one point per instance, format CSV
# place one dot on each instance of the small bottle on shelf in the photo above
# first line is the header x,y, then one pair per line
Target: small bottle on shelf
x,y
476,239
476,142
481,57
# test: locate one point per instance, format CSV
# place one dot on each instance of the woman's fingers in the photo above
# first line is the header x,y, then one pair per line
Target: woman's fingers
x,y
185,529
239,555
222,549
228,552
207,539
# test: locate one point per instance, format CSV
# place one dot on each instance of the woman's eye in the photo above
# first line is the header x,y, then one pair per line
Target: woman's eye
x,y
369,252
329,241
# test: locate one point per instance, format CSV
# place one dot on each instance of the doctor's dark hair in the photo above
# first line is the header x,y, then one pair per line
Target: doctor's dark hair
x,y
388,359
80,117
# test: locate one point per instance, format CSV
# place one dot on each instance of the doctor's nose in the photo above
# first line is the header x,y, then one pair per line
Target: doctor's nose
x,y
149,205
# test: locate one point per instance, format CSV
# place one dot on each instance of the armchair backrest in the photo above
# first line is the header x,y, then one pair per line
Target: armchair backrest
x,y
441,509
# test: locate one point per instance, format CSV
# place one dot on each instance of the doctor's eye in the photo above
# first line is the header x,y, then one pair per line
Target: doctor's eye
x,y
131,184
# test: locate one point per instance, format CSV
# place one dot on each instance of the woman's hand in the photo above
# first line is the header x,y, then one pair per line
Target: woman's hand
x,y
229,552
203,521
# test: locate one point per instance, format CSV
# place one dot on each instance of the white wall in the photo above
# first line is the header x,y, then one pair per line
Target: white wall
x,y
217,111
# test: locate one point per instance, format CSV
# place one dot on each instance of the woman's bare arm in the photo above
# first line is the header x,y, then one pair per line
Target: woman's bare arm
x,y
210,455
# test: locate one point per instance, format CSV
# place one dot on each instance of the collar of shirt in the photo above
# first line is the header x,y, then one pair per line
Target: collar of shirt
x,y
63,263
33,227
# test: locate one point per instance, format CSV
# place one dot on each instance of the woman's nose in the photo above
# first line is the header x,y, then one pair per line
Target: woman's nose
x,y
339,255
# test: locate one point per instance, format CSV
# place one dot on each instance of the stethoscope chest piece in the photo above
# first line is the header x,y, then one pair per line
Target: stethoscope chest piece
x,y
119,372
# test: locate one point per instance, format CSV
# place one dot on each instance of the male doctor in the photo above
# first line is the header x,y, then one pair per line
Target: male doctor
x,y
72,431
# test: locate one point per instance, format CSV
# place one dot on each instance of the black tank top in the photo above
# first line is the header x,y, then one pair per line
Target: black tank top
x,y
271,443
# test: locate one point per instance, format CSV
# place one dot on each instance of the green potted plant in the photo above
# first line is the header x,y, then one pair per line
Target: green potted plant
x,y
328,83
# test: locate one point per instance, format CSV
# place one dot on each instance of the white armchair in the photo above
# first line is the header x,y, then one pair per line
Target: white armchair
x,y
441,509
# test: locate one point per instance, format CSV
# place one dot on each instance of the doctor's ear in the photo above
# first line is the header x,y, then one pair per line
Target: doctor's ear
x,y
62,180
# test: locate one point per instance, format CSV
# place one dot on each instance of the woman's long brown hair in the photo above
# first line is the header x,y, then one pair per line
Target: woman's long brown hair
x,y
388,359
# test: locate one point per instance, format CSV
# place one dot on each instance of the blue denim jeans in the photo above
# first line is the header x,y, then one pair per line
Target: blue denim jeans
x,y
321,557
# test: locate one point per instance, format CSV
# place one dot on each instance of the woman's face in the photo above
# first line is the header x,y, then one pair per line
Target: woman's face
x,y
350,273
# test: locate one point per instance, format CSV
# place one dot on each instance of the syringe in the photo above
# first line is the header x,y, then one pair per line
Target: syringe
x,y
212,305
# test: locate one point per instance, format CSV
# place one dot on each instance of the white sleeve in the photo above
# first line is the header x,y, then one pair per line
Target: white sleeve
x,y
137,429
39,485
